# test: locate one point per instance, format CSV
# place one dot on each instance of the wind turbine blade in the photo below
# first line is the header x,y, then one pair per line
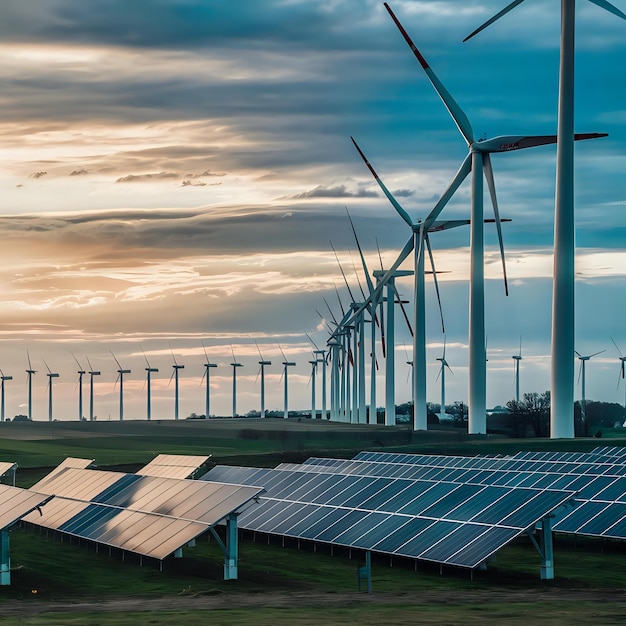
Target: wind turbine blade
x,y
80,367
608,7
311,340
508,143
358,280
258,373
406,317
233,351
345,280
396,205
115,358
370,285
49,370
171,377
459,117
382,330
89,363
520,346
204,349
459,177
380,258
578,354
343,312
30,367
432,264
172,351
496,17
580,371
596,353
494,201
144,356
203,375
281,351
616,347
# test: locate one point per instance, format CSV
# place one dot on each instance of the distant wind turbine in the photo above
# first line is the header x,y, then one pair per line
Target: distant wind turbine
x,y
262,364
92,373
320,357
81,372
477,161
287,364
562,366
30,371
149,370
3,378
442,374
207,374
120,378
622,359
517,358
235,365
581,377
176,367
50,376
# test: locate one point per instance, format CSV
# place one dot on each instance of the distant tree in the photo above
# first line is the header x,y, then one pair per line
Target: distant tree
x,y
21,418
534,411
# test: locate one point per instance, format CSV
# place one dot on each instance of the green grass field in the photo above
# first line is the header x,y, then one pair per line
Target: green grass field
x,y
63,583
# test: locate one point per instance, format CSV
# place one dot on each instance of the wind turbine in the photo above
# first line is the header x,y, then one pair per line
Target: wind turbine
x,y
581,375
622,358
262,364
149,371
235,365
207,374
120,377
3,377
320,357
477,161
287,364
516,359
81,372
30,371
176,367
420,232
312,381
442,374
92,373
562,366
50,376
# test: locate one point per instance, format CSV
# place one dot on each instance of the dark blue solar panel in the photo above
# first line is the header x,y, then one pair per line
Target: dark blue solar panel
x,y
454,541
483,547
581,514
397,538
427,538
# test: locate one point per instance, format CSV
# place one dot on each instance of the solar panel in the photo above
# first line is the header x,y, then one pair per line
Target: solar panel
x,y
408,517
152,516
173,466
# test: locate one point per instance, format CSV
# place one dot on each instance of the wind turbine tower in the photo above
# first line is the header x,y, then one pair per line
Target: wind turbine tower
x,y
120,378
235,365
30,371
581,376
176,367
50,376
287,364
207,374
3,377
149,370
517,358
262,364
92,373
622,358
442,374
313,372
81,372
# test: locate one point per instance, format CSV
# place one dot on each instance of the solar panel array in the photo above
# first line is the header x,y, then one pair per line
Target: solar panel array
x,y
152,516
599,507
173,466
440,521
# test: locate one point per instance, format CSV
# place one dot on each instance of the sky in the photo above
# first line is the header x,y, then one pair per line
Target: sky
x,y
173,172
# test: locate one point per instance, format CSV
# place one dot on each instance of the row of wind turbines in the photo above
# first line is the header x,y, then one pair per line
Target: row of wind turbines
x,y
478,164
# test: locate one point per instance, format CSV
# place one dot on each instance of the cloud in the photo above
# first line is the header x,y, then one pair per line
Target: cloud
x,y
140,178
338,191
37,175
403,193
79,172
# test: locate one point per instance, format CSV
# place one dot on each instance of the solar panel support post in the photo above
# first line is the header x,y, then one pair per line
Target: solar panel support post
x,y
364,572
178,553
232,548
545,547
5,560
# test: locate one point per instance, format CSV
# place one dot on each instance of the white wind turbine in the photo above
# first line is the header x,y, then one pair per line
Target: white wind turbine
x,y
30,371
442,374
3,378
149,370
81,372
92,373
516,359
320,357
562,366
581,378
50,376
235,365
261,373
120,378
176,367
477,161
622,359
207,374
287,364
420,232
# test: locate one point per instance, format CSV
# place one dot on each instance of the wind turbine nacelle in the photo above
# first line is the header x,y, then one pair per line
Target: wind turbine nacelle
x,y
53,375
123,371
95,373
7,378
152,369
288,363
210,365
265,362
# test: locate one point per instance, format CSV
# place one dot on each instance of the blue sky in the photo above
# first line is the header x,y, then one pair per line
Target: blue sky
x,y
173,171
